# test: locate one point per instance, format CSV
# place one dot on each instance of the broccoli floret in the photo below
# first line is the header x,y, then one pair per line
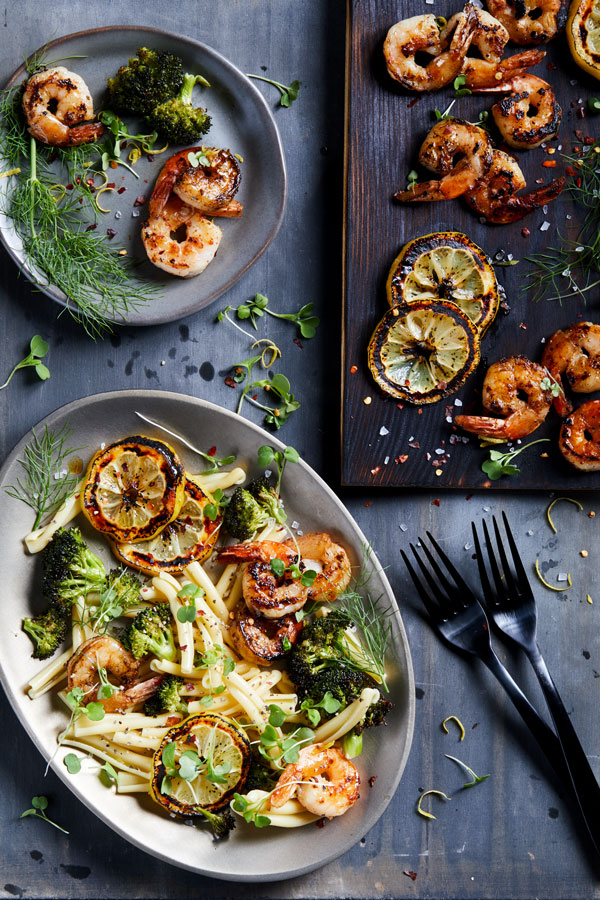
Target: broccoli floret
x,y
221,823
124,586
69,569
47,631
250,508
150,632
167,698
266,495
176,119
147,80
260,777
375,715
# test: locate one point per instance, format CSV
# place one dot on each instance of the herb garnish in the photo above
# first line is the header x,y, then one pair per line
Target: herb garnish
x,y
477,779
252,812
216,462
288,94
267,456
459,86
43,458
119,135
38,348
259,305
500,463
39,805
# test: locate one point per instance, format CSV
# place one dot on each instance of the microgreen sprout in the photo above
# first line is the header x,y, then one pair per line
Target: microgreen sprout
x,y
459,86
280,386
259,305
267,456
216,462
411,180
501,463
188,595
281,751
199,158
252,812
73,763
312,710
279,569
39,805
550,384
119,135
594,105
108,775
38,348
446,114
211,510
477,779
288,93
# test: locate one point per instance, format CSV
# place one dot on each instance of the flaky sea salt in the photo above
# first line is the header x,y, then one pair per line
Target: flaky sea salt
x,y
383,431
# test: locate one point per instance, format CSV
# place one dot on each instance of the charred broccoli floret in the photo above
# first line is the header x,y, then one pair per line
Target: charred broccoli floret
x,y
146,81
177,119
221,823
124,587
47,631
260,777
150,632
69,569
250,508
167,698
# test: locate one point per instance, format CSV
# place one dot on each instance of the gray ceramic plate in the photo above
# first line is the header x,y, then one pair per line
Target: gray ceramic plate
x,y
242,121
249,854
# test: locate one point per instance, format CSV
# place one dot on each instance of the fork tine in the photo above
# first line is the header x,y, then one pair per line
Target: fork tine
x,y
483,575
518,563
459,581
511,585
427,601
500,586
436,568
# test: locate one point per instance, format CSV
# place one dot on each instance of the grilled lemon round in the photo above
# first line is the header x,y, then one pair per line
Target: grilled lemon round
x,y
133,489
583,34
188,538
423,352
447,266
217,766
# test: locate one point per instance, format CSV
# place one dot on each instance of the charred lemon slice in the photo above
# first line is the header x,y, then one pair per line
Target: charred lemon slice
x,y
188,538
445,266
201,762
583,34
424,352
133,489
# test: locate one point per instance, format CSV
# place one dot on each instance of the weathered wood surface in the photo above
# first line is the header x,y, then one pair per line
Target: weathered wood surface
x,y
511,837
386,126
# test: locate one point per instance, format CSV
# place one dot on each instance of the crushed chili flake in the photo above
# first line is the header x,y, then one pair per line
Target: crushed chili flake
x,y
589,140
92,227
113,164
369,503
415,445
523,326
298,343
580,112
353,370
436,502
551,66
140,200
525,232
173,720
399,405
468,497
320,823
375,470
230,382
570,170
111,184
549,163
111,233
212,451
121,190
412,875
69,187
412,103
419,412
150,157
372,780
401,459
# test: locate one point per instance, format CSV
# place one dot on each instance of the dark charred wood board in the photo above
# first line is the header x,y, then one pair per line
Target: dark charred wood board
x,y
388,446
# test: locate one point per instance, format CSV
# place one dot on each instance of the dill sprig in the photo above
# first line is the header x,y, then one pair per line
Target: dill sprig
x,y
42,488
572,269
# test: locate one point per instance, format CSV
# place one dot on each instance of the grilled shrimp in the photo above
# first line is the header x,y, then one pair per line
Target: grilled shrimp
x,y
261,641
529,115
56,102
579,439
530,21
267,594
495,195
334,782
207,188
104,652
190,255
457,150
421,33
329,560
512,388
575,355
490,38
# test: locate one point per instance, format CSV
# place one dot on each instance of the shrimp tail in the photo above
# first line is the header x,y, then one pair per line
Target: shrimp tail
x,y
233,210
485,426
167,179
518,207
72,137
502,78
263,551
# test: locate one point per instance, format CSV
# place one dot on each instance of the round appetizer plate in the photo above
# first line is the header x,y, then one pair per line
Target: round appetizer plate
x,y
249,854
241,121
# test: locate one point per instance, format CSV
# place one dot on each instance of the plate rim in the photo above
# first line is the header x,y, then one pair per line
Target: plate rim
x,y
408,674
58,296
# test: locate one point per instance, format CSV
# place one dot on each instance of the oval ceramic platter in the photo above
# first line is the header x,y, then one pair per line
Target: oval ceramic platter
x,y
249,854
242,121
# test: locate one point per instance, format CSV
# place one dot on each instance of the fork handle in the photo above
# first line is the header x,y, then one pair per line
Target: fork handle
x,y
581,775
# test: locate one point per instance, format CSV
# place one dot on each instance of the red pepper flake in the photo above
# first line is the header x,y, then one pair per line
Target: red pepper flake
x,y
298,343
551,66
589,141
92,227
111,184
468,497
580,113
121,190
113,164
435,502
375,470
139,201
78,180
411,875
150,157
353,370
372,780
570,171
401,459
69,187
183,647
412,103
369,503
525,232
523,326
419,412
111,233
400,405
173,720
415,445
539,180
230,382
320,823
578,182
212,451
255,397
549,164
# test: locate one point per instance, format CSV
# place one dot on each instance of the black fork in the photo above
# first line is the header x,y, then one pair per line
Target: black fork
x,y
510,604
460,620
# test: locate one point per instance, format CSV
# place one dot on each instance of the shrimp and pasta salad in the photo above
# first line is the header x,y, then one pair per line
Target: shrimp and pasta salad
x,y
229,663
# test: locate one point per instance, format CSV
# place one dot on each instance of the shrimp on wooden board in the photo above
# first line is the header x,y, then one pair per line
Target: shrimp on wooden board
x,y
422,34
321,554
58,108
325,782
259,640
530,21
512,388
490,39
495,197
105,652
180,239
209,187
266,593
529,115
579,439
574,354
457,150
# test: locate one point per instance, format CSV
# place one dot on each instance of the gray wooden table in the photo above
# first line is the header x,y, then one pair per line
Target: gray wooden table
x,y
512,836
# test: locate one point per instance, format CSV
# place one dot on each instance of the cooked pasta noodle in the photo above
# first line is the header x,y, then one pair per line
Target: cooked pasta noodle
x,y
41,537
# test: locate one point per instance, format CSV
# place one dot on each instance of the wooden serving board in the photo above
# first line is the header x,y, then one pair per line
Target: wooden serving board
x,y
384,445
